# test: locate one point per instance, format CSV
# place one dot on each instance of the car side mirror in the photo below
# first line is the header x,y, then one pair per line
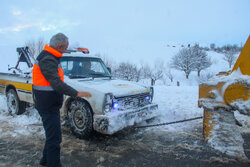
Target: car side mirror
x,y
109,69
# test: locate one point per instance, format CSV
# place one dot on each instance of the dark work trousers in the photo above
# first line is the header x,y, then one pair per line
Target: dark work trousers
x,y
52,127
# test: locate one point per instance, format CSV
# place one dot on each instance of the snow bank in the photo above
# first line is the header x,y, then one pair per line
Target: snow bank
x,y
244,121
28,123
226,136
242,106
232,78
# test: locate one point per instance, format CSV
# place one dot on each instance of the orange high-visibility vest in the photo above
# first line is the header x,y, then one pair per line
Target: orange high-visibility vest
x,y
39,81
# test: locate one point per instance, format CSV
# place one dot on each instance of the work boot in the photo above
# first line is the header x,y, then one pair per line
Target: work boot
x,y
43,162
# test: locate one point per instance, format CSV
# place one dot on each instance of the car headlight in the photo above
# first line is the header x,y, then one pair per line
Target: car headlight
x,y
107,105
151,93
115,105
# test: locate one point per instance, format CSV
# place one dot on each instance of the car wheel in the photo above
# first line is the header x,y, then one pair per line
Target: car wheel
x,y
80,119
15,106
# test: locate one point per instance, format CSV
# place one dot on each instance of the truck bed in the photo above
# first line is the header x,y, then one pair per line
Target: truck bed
x,y
21,83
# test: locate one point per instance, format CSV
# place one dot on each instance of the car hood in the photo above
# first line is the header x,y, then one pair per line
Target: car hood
x,y
105,85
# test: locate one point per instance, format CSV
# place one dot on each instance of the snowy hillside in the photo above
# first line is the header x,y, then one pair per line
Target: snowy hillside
x,y
143,52
151,52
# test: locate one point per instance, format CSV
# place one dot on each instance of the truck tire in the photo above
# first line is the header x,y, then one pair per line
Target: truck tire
x,y
80,119
15,106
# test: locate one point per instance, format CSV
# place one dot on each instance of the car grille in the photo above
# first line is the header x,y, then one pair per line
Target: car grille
x,y
133,101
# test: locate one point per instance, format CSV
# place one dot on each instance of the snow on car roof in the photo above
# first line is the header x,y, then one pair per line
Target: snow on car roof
x,y
78,54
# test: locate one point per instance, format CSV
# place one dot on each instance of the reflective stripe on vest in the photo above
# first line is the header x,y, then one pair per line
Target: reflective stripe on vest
x,y
39,81
43,88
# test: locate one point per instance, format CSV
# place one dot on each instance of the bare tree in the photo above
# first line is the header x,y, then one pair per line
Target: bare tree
x,y
35,47
126,71
184,61
40,45
212,46
229,56
32,47
205,77
202,61
138,74
145,71
227,48
107,60
157,72
169,74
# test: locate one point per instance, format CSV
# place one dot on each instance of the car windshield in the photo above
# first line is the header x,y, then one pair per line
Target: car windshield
x,y
84,67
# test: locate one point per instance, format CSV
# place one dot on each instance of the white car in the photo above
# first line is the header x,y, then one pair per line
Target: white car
x,y
114,105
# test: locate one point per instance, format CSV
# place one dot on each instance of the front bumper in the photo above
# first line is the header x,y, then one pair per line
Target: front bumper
x,y
117,120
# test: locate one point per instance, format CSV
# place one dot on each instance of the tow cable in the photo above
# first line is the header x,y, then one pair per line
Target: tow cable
x,y
167,123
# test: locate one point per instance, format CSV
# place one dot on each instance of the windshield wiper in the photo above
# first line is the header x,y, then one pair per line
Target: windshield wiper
x,y
78,76
91,75
99,75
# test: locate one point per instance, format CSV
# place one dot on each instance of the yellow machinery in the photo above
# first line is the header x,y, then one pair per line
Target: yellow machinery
x,y
226,92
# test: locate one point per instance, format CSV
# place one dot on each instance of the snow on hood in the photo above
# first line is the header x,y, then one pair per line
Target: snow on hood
x,y
106,85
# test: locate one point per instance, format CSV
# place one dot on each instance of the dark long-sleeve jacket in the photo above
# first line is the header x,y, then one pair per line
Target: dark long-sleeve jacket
x,y
44,100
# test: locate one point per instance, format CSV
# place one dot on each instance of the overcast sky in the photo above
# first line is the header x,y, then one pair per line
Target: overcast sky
x,y
95,23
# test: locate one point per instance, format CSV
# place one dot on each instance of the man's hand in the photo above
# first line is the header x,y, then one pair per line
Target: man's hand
x,y
84,94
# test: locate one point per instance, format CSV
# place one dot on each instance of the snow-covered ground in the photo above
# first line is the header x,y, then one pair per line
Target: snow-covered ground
x,y
13,125
175,103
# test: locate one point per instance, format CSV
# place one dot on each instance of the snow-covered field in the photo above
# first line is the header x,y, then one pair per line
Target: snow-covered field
x,y
175,103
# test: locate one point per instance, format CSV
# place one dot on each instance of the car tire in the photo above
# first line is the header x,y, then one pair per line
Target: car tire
x,y
80,119
15,106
